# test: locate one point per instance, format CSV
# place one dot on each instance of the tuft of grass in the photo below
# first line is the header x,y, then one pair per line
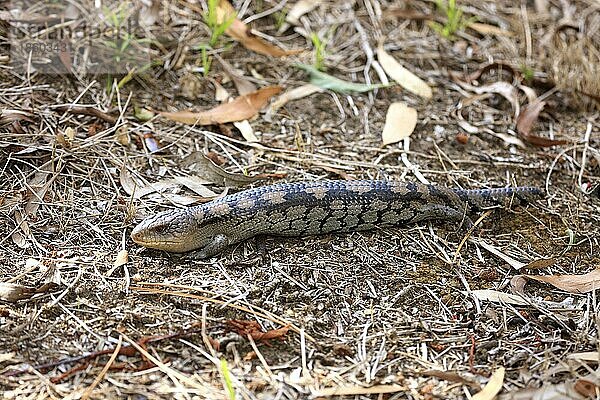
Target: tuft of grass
x,y
206,61
280,17
227,378
319,56
211,18
527,72
455,19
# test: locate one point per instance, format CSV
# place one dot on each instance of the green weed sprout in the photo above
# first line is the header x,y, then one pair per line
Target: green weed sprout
x,y
211,18
319,59
206,61
455,20
227,378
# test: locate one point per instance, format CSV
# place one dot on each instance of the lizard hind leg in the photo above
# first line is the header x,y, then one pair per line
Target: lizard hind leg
x,y
438,212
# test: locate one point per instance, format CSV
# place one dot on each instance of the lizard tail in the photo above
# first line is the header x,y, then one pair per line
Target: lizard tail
x,y
479,199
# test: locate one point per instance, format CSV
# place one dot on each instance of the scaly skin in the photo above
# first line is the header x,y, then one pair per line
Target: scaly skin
x,y
312,208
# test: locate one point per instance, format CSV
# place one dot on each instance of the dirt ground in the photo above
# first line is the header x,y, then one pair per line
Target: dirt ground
x,y
419,312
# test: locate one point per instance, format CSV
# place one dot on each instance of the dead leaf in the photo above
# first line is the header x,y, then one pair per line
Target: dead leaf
x,y
586,388
403,76
294,94
509,260
498,297
587,356
540,263
246,130
451,377
358,390
400,122
241,108
569,389
493,387
528,117
221,94
210,171
20,237
504,89
529,92
572,283
299,9
525,122
467,127
122,258
38,186
486,29
254,330
10,116
13,292
241,33
196,184
243,85
7,357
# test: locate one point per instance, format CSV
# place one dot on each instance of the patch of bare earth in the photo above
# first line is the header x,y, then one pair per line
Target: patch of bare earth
x,y
396,313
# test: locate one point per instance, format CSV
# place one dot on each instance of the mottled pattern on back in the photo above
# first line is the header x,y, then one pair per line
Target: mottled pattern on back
x,y
309,208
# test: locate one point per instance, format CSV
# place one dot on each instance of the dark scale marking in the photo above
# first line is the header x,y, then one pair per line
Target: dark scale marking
x,y
215,225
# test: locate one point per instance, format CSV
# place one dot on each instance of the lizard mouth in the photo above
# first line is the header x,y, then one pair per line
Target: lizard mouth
x,y
143,239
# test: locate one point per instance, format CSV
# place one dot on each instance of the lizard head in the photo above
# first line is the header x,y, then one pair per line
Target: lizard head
x,y
174,230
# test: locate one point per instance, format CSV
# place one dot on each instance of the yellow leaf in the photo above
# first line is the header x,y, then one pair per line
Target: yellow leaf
x,y
404,77
493,387
400,122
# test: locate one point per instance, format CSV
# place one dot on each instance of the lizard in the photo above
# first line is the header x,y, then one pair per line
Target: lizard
x,y
315,207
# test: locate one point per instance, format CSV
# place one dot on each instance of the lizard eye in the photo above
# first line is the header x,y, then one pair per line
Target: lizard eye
x,y
160,229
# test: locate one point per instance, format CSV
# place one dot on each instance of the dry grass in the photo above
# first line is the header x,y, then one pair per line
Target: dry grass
x,y
393,311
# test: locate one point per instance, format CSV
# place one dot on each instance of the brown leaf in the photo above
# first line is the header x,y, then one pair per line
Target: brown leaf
x,y
528,117
540,263
486,29
272,334
240,32
572,283
525,122
12,292
586,388
253,329
241,108
542,141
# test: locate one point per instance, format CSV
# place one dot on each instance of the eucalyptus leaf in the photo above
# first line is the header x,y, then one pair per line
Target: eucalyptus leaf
x,y
327,81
